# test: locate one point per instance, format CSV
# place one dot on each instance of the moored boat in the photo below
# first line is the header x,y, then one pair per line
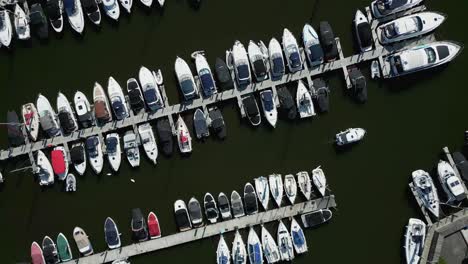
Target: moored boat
x,y
181,215
127,5
224,206
287,102
222,252
350,136
82,241
415,237
270,248
285,243
290,187
217,122
305,105
237,205
291,51
298,237
269,107
263,191
250,199
50,250
375,69
211,209
70,183
316,218
101,105
138,226
91,8
312,46
186,81
204,73
111,234
37,256
6,29
319,180
44,171
450,182
22,28
184,139
112,9
83,109
135,95
165,136
239,254
38,21
114,153
65,115
54,13
200,124
95,155
382,8
147,3
148,141
117,99
59,162
131,149
150,89
30,120
322,94
257,62
195,212
241,64
359,84
327,40
249,103
15,133
223,75
304,183
154,229
276,188
74,12
254,247
363,31
47,117
426,191
276,59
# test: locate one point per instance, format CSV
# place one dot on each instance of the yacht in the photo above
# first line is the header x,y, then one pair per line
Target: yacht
x,y
63,248
44,172
211,210
263,191
363,31
38,21
114,154
290,187
47,117
127,5
185,77
138,226
319,180
30,120
182,216
112,9
298,237
50,250
291,51
21,23
312,46
135,95
451,184
224,206
241,64
270,248
382,8
285,243
154,228
83,110
65,115
250,199
150,89
316,218
6,29
239,254
101,105
200,124
237,206
205,75
410,26
55,14
305,105
257,62
59,160
269,107
117,99
358,82
415,237
328,42
251,109
217,122
287,102
91,8
165,136
75,15
148,141
222,252
195,212
426,191
37,256
304,183
421,57
131,149
183,136
349,136
111,234
223,75
254,247
82,242
95,156
78,157
276,59
276,188
70,183
322,94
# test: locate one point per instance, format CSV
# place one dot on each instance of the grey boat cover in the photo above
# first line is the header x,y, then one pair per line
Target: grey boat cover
x,y
223,74
210,207
223,204
359,84
217,122
165,136
237,206
199,122
260,69
194,209
250,198
138,225
66,122
287,102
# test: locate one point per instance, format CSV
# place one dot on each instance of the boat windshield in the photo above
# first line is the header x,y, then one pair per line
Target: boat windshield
x,y
431,55
187,86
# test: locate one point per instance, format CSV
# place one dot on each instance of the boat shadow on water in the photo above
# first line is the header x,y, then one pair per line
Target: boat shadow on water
x,y
405,82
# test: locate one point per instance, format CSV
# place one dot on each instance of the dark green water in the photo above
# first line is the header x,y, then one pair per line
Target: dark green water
x,y
408,122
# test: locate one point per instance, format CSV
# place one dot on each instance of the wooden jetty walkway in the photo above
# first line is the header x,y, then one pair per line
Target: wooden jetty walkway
x,y
207,231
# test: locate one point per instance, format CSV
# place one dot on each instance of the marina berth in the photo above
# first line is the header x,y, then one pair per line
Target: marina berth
x,y
181,216
363,31
276,188
270,248
83,110
305,105
117,99
241,64
316,218
254,247
415,237
111,234
166,142
426,191
382,8
75,16
112,9
91,8
154,229
224,206
63,248
319,180
45,173
135,95
59,162
200,124
101,105
211,209
148,141
237,205
290,187
82,241
277,63
263,191
50,250
217,122
138,226
327,40
30,120
304,183
205,75
47,117
269,107
451,184
184,139
312,46
239,253
285,243
186,81
114,153
21,22
95,155
291,51
195,212
257,62
65,115
223,75
38,21
37,257
54,10
150,89
298,237
250,199
131,149
223,256
251,108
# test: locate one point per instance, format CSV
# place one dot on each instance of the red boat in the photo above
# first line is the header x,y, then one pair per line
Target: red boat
x,y
59,163
36,254
153,226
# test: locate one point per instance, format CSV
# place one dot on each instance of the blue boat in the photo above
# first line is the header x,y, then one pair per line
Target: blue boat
x,y
298,237
254,248
205,75
111,234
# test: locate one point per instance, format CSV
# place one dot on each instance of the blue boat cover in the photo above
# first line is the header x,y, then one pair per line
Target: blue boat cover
x,y
111,144
69,6
298,237
223,259
207,84
91,143
295,59
278,66
150,96
243,71
316,53
267,98
254,253
187,87
119,109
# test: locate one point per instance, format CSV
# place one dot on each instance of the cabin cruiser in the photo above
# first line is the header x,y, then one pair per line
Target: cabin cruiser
x,y
70,183
211,210
217,122
185,77
251,109
127,5
222,252
359,84
415,237
298,237
204,74
181,215
270,248
462,164
382,8
47,117
165,136
21,23
287,102
95,156
65,115
82,242
276,59
349,136
263,191
131,149
55,13
15,134
304,183
269,107
114,154
291,51
451,184
148,141
154,229
78,157
37,256
150,89
38,21
256,61
30,120
237,206
112,9
250,199
224,206
363,31
327,39
319,180
223,75
138,226
200,123
135,96
285,243
75,15
195,212
312,46
409,27
241,64
44,172
91,8
421,57
276,188
111,234
305,105
83,110
50,250
239,254
426,191
59,160
290,187
117,99
184,139
101,105
322,94
316,218
254,247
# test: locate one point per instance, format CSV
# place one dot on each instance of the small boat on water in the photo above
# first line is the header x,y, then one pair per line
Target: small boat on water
x,y
159,77
138,226
200,124
276,188
150,89
37,257
47,117
276,59
186,81
349,136
270,248
82,241
327,40
83,110
6,29
181,215
269,107
363,31
290,187
135,95
450,182
382,8
55,14
112,9
70,183
257,62
298,237
211,210
165,136
312,46
117,99
251,109
375,69
114,153
38,21
75,15
287,102
319,180
63,248
15,133
111,234
285,243
217,122
415,237
30,120
250,199
224,206
223,75
148,141
316,218
291,51
50,250
322,94
241,64
127,5
131,149
59,162
183,136
65,115
237,205
239,254
154,229
21,23
95,155
44,172
263,191
305,186
101,105
359,85
195,212
426,191
222,252
204,73
305,105
91,8
254,247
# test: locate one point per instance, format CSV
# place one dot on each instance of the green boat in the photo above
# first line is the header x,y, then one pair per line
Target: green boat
x,y
63,248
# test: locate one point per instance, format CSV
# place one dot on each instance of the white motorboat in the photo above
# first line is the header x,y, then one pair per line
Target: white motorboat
x,y
70,183
305,185
186,81
312,46
54,12
117,99
363,31
148,141
211,209
223,256
249,103
250,199
114,153
291,51
254,247
285,243
257,62
237,205
241,64
375,69
239,254
102,109
59,158
269,107
182,216
65,114
421,57
290,187
305,105
91,8
276,188
270,248
205,74
147,3
276,59
78,157
382,8
415,237
44,172
30,120
127,5
95,155
319,180
150,89
22,28
298,237
450,182
426,191
159,77
224,206
47,117
349,136
83,109
195,212
82,241
131,149
263,191
112,9
184,140
75,15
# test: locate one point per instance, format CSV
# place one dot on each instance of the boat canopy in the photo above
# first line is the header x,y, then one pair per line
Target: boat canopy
x,y
207,82
92,143
77,155
260,69
111,144
267,98
195,210
187,86
222,71
69,6
278,64
66,121
182,219
53,9
295,59
250,202
316,52
58,161
112,237
47,121
251,106
243,71
365,34
119,108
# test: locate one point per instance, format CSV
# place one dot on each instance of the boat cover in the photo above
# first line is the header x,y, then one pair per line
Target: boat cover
x,y
165,135
207,84
223,204
111,145
150,96
119,108
66,122
260,69
251,106
217,123
298,237
359,84
53,9
365,34
58,161
222,72
462,164
295,59
182,219
112,237
267,99
243,71
138,222
201,127
77,154
69,6
250,203
316,53
195,210
92,143
254,253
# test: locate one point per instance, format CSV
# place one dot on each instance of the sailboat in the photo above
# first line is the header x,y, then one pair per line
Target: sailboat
x,y
270,248
263,191
276,188
415,237
305,186
184,139
222,252
254,247
319,180
298,237
285,243
426,191
290,187
239,254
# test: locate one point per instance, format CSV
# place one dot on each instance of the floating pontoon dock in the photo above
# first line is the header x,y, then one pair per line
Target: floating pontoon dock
x,y
207,231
